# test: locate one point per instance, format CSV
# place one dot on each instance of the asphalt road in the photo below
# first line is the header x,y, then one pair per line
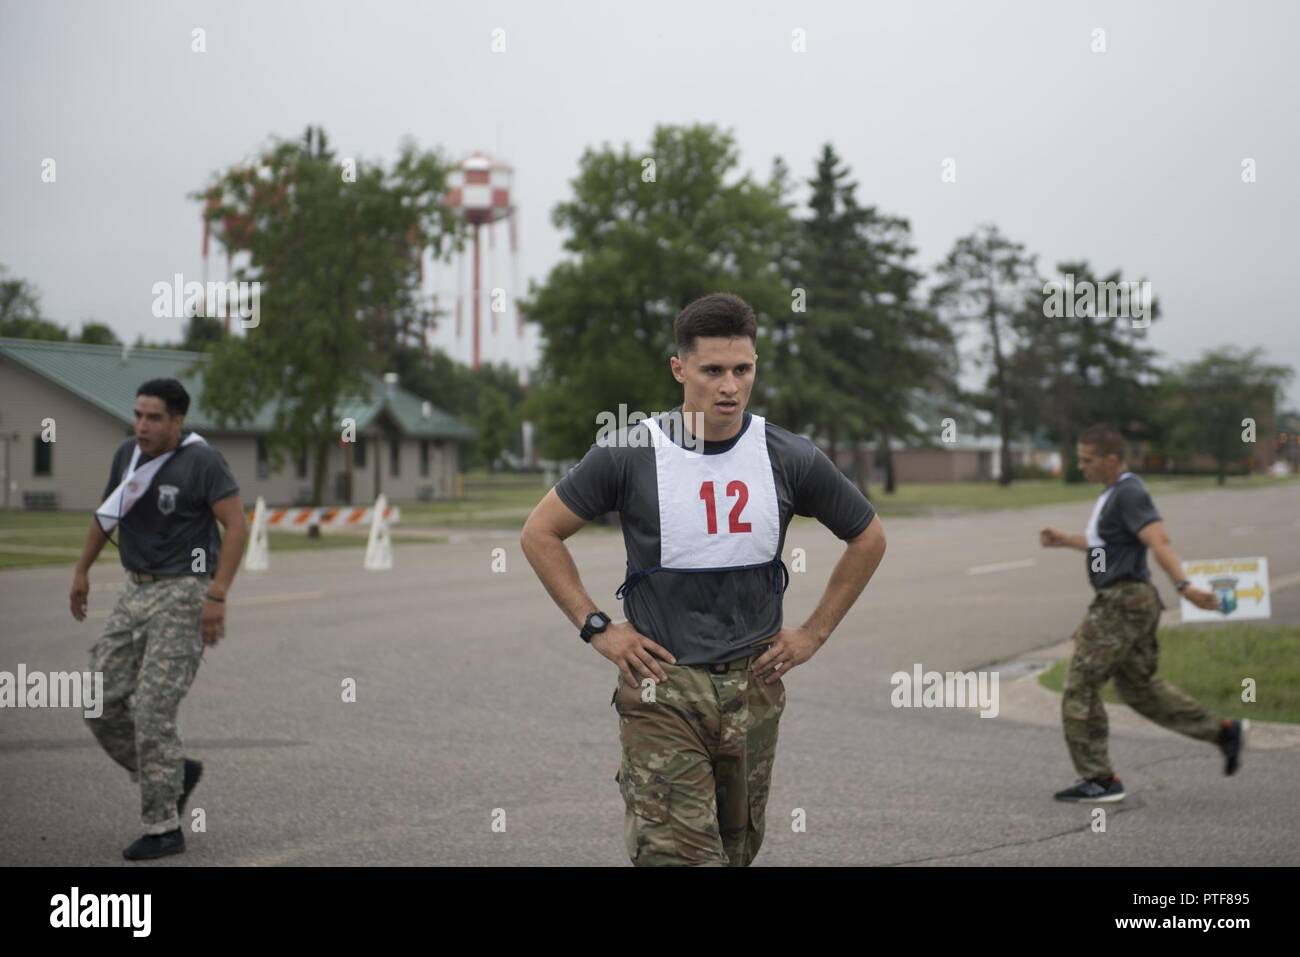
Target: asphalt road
x,y
474,694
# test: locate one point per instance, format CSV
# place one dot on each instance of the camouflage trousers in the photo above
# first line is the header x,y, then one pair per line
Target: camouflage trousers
x,y
697,764
149,653
1118,639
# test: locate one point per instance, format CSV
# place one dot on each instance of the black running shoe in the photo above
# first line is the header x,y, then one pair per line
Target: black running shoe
x,y
153,846
1232,742
1094,791
193,771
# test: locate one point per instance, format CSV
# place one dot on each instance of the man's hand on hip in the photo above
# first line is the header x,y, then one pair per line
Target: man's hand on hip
x,y
790,648
633,652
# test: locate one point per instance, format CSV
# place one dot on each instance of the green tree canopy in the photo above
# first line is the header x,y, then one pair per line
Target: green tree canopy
x,y
647,231
867,340
98,333
1069,369
984,282
333,246
202,333
20,312
1208,406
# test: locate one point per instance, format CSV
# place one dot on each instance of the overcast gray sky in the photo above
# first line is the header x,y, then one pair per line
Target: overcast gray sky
x,y
1130,158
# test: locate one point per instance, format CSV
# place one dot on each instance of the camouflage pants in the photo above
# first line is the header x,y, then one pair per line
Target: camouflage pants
x,y
1118,639
149,653
697,764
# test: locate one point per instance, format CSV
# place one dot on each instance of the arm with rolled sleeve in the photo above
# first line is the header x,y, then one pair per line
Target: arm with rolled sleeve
x,y
221,492
826,495
96,539
591,488
1138,515
821,492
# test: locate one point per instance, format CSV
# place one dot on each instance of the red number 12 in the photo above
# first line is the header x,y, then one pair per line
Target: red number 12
x,y
735,488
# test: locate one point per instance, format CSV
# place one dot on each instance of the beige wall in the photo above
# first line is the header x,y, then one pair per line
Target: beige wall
x,y
240,452
86,438
937,465
444,458
927,465
285,488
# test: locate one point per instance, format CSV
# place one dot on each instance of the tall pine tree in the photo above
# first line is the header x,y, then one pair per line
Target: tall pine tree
x,y
985,282
648,231
868,341
1073,366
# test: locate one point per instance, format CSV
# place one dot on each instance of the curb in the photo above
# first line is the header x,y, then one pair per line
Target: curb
x,y
1024,699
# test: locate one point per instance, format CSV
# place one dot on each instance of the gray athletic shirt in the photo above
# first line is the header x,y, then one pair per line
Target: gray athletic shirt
x,y
708,617
174,516
1127,511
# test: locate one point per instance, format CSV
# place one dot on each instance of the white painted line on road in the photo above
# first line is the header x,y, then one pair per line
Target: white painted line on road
x,y
255,600
1241,530
1001,567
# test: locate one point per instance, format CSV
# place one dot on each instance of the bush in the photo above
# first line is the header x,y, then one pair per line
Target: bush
x,y
1032,472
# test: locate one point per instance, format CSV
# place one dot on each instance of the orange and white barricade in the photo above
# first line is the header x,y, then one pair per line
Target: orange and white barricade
x,y
299,519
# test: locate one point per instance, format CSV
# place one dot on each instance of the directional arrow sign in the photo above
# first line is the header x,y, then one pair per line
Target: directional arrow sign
x,y
1240,583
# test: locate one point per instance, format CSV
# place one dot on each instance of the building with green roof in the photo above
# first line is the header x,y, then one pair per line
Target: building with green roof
x,y
406,448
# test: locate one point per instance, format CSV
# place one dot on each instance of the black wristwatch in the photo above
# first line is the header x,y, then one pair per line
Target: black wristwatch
x,y
1181,584
597,622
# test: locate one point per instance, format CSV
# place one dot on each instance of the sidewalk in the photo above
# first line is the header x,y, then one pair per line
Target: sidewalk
x,y
1023,699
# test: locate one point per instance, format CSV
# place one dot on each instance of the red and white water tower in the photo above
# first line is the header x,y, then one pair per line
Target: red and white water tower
x,y
479,191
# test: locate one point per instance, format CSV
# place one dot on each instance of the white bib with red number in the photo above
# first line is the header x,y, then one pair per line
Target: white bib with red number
x,y
716,511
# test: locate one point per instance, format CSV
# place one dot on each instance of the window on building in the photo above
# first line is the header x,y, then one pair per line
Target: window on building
x,y
43,458
424,457
394,456
359,452
263,459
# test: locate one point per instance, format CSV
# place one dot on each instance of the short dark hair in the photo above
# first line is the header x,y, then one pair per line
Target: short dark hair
x,y
170,391
1106,440
719,314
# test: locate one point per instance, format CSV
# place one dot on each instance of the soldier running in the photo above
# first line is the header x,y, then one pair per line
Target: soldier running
x,y
165,487
1118,635
704,493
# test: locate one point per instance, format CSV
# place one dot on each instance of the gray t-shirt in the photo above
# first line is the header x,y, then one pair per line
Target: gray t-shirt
x,y
159,533
1128,510
708,617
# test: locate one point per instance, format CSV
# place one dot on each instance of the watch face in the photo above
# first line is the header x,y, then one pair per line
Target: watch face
x,y
598,620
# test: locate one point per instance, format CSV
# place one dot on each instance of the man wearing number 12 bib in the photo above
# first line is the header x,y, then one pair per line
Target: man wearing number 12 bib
x,y
704,494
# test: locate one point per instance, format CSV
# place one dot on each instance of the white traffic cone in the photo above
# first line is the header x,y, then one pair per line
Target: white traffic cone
x,y
379,550
257,557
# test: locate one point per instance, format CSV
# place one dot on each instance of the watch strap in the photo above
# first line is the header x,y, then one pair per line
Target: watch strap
x,y
589,631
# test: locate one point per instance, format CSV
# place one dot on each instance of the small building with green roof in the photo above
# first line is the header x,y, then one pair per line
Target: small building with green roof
x,y
406,448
